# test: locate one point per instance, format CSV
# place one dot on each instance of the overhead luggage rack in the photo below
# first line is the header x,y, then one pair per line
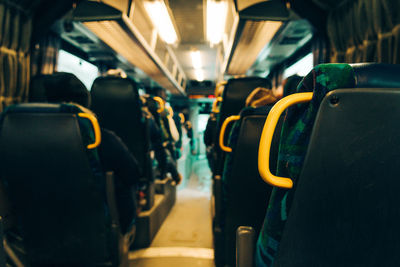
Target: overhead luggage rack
x,y
125,32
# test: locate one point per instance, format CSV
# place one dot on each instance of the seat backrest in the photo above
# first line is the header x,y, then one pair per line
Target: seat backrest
x,y
234,99
56,185
245,194
235,94
351,139
58,87
116,102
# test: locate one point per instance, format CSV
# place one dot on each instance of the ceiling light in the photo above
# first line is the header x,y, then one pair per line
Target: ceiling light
x,y
216,18
196,59
161,19
199,75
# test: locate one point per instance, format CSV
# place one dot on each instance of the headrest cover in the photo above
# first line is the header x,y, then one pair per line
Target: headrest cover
x,y
260,97
59,87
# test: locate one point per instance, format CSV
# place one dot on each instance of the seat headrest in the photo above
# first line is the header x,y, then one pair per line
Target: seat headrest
x,y
59,87
43,108
290,84
87,121
375,75
107,81
152,105
251,111
236,91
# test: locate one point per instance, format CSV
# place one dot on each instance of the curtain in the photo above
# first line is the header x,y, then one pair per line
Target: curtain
x,y
365,31
15,37
45,55
320,50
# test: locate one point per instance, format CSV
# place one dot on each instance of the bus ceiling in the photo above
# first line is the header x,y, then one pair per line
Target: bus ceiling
x,y
192,41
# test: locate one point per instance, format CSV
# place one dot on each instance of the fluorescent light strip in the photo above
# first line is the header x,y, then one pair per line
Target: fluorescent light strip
x,y
216,19
161,20
199,75
196,59
197,65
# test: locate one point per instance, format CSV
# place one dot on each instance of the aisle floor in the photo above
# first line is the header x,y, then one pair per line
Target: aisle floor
x,y
185,238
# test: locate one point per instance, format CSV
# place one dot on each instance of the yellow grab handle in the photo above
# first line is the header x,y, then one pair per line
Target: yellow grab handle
x,y
182,118
160,102
268,133
220,84
171,112
222,132
96,128
215,105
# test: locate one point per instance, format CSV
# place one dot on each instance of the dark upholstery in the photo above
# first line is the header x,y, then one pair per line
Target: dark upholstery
x,y
56,186
234,99
245,194
345,211
58,87
354,144
117,105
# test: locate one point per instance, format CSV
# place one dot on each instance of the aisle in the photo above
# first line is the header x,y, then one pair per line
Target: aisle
x,y
185,238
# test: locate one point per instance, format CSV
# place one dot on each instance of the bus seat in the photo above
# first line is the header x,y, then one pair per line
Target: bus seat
x,y
245,195
58,87
341,152
234,99
56,186
117,104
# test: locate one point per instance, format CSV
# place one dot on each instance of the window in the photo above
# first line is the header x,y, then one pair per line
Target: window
x,y
301,67
202,122
85,71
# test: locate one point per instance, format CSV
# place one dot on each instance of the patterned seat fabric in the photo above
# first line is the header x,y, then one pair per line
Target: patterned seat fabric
x,y
295,137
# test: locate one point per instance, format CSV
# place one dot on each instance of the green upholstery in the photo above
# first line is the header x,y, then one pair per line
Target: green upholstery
x,y
295,136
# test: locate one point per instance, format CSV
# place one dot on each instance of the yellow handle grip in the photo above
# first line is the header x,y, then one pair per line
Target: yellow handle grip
x,y
160,102
267,135
214,108
96,128
217,91
182,118
222,132
171,112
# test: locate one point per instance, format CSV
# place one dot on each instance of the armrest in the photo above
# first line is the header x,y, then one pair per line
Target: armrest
x,y
245,240
218,199
125,240
112,205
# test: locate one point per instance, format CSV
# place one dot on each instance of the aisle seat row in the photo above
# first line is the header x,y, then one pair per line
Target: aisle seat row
x,y
331,168
73,204
69,215
336,189
238,190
